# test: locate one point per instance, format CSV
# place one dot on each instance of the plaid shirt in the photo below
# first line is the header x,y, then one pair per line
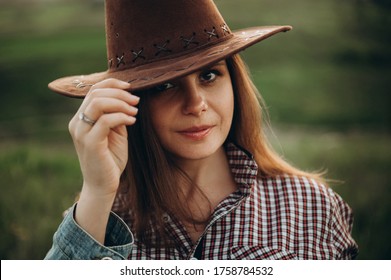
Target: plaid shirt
x,y
284,217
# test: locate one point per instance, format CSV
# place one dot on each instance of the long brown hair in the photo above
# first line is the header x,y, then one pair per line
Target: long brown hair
x,y
149,183
250,119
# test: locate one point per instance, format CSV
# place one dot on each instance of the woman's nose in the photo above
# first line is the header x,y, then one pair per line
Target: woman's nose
x,y
195,102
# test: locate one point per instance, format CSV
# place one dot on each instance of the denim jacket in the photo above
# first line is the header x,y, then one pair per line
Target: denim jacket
x,y
72,242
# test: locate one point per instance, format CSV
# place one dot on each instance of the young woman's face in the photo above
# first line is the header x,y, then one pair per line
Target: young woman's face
x,y
192,116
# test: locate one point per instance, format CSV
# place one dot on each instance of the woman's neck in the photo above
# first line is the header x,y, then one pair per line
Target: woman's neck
x,y
210,182
211,175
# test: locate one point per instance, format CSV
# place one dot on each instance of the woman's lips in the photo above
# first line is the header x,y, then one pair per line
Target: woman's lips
x,y
195,132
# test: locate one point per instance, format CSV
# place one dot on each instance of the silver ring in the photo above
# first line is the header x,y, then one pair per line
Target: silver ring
x,y
86,119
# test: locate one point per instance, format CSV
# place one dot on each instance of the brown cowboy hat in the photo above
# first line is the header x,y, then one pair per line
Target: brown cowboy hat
x,y
150,42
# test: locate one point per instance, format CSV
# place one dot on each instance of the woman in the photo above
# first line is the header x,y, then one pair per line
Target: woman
x,y
173,155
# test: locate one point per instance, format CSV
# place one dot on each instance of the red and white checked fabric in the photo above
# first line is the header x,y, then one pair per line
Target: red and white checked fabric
x,y
283,217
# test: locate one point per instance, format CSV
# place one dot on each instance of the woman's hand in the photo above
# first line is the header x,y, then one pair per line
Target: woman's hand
x,y
102,149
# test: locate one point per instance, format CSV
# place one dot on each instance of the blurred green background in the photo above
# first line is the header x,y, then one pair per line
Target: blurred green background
x,y
326,84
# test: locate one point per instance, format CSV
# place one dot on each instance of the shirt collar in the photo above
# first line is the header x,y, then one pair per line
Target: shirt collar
x,y
243,167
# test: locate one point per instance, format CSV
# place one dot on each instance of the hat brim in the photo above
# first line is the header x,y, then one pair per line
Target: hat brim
x,y
158,72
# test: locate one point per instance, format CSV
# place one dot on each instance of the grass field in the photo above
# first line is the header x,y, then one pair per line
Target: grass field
x,y
326,84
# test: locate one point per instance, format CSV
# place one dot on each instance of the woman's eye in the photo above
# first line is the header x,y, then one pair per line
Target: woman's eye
x,y
209,76
163,87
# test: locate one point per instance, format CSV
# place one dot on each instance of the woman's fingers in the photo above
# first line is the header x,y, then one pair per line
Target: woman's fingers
x,y
116,93
112,88
106,105
106,97
108,122
110,83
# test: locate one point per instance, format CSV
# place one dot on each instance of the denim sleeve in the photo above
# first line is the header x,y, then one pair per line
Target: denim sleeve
x,y
71,242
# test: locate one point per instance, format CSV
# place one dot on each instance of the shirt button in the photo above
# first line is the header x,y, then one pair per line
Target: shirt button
x,y
166,218
106,258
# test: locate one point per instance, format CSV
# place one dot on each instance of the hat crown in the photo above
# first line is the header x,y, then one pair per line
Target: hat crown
x,y
142,31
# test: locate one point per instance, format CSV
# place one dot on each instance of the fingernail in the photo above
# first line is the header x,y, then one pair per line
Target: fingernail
x,y
125,83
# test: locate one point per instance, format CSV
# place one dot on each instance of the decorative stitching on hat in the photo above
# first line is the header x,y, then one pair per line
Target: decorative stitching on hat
x,y
189,41
211,33
120,60
225,29
257,34
184,68
218,52
163,48
152,78
138,54
80,84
